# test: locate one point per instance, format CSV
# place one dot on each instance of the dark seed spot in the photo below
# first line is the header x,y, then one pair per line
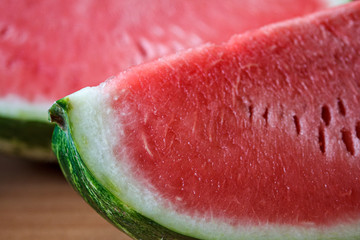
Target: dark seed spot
x,y
266,115
341,107
325,115
357,129
297,124
322,139
141,49
251,111
347,139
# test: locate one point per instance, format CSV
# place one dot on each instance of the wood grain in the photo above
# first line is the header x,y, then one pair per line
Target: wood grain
x,y
37,203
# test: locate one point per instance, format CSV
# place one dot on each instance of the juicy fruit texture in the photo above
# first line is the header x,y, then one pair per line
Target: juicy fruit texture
x,y
278,114
255,138
54,48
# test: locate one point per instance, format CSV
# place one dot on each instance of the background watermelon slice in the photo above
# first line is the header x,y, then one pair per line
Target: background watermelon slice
x,y
49,49
257,138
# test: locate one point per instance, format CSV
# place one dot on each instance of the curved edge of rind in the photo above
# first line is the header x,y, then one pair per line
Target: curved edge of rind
x,y
101,199
28,139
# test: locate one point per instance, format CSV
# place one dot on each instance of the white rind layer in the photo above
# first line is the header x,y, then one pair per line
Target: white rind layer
x,y
333,3
95,134
13,106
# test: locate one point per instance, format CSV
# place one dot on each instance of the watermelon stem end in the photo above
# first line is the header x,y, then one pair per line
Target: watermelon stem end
x,y
56,113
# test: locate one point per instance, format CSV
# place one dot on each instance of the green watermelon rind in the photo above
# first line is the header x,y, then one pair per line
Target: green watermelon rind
x,y
24,129
95,194
26,138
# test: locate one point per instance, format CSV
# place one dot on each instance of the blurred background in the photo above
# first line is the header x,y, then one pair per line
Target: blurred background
x,y
36,202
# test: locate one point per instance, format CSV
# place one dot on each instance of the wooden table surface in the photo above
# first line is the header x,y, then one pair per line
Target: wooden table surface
x,y
36,202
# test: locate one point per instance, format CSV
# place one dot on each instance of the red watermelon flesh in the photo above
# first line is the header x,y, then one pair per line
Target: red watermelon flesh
x,y
262,129
49,49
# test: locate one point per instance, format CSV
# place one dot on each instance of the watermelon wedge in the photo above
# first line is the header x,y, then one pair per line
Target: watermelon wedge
x,y
256,138
49,49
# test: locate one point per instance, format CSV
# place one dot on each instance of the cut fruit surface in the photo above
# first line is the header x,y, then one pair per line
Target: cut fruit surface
x,y
54,48
256,138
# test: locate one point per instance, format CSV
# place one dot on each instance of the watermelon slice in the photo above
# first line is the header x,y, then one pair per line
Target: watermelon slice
x,y
256,138
49,49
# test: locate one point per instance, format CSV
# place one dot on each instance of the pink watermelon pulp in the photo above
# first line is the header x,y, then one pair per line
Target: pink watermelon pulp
x,y
258,137
222,124
54,48
49,49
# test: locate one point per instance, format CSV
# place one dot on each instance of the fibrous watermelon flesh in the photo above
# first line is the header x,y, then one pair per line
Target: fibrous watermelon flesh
x,y
49,49
257,138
